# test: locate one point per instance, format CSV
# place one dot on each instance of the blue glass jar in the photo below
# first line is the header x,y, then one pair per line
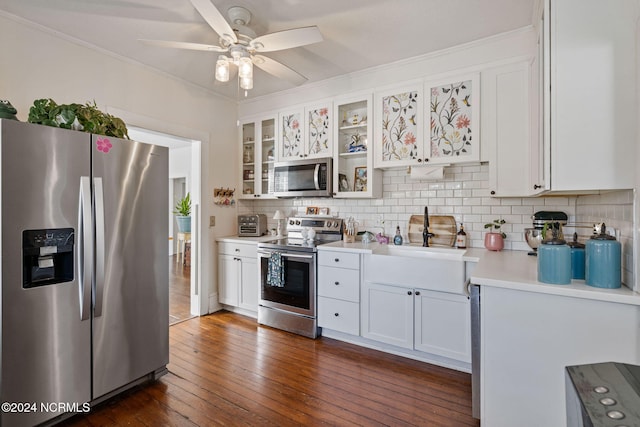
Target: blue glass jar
x,y
577,258
603,261
554,261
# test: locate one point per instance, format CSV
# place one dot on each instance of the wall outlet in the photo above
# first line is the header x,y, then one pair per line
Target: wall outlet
x,y
212,221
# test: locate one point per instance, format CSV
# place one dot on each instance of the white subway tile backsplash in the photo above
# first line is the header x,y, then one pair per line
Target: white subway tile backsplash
x,y
464,193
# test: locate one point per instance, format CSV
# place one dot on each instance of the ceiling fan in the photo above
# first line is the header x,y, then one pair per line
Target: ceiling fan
x,y
243,47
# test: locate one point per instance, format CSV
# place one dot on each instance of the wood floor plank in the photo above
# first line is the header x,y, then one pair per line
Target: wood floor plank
x,y
226,370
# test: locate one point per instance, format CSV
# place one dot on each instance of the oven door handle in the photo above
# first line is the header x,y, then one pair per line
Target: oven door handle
x,y
286,254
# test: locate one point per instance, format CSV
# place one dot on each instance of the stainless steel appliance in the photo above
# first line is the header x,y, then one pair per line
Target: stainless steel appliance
x,y
291,303
252,225
303,178
603,394
84,268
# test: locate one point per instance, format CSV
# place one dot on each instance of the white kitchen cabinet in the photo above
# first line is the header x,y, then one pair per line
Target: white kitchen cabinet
x,y
417,319
387,314
527,340
258,136
398,126
442,324
353,172
306,132
589,93
339,291
506,130
434,121
238,276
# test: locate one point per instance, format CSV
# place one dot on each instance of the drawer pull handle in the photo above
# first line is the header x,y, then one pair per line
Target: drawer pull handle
x,y
417,292
408,292
336,314
237,250
336,283
337,260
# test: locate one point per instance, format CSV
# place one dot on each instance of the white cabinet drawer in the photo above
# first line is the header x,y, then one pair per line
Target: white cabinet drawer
x,y
339,259
340,283
238,249
339,315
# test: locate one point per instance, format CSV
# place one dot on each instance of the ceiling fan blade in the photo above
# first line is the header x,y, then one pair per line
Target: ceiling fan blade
x,y
287,39
184,45
215,19
278,69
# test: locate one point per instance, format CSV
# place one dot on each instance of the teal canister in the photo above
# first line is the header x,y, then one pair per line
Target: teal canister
x,y
603,261
554,261
577,258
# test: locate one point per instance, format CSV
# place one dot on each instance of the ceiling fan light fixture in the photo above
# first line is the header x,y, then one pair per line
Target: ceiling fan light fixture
x,y
222,69
245,67
246,83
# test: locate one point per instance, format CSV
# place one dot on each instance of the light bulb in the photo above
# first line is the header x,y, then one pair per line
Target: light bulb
x,y
222,69
245,67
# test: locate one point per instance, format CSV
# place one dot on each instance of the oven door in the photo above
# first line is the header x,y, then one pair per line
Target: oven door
x,y
298,294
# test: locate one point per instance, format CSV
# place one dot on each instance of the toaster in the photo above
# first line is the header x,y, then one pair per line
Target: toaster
x,y
254,225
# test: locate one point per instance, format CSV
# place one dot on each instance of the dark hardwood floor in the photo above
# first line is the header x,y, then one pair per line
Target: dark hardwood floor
x,y
226,370
179,291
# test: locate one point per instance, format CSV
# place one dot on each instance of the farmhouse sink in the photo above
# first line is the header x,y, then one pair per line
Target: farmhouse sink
x,y
420,251
437,269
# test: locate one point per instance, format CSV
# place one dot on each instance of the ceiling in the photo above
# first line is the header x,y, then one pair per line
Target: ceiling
x,y
358,34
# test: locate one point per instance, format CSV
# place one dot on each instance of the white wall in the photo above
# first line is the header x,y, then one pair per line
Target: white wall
x,y
36,63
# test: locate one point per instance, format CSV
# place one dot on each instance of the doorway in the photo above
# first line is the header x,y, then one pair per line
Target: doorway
x,y
182,180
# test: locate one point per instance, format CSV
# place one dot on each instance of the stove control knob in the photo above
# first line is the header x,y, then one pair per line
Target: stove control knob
x,y
291,222
298,222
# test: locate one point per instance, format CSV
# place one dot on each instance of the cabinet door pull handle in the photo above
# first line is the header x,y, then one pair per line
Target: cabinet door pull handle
x,y
417,292
536,186
419,160
337,260
336,314
237,249
493,193
426,160
336,283
409,292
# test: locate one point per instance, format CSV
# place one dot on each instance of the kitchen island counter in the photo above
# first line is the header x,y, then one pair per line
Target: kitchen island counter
x,y
518,271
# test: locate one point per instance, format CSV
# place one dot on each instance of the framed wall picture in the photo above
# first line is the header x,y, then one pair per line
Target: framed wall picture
x,y
360,178
454,118
312,210
323,211
343,182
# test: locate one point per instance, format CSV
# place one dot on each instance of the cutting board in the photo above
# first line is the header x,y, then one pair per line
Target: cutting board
x,y
443,226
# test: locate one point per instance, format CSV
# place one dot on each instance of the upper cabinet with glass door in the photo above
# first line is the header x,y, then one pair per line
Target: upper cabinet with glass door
x,y
353,173
306,132
258,154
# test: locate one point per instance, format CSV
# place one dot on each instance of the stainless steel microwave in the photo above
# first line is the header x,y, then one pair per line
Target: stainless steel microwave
x,y
303,178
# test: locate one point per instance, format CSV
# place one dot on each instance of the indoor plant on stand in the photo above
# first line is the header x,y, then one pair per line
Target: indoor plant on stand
x,y
494,240
183,214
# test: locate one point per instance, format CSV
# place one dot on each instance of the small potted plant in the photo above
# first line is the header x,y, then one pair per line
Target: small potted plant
x,y
494,239
183,214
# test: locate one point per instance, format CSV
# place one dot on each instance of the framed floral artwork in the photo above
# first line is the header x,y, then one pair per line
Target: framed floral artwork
x,y
453,117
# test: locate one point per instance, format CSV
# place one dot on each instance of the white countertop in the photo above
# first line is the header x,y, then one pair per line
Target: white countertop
x,y
519,271
238,239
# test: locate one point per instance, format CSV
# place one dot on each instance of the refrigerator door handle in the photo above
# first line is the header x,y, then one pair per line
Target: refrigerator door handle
x,y
100,246
84,257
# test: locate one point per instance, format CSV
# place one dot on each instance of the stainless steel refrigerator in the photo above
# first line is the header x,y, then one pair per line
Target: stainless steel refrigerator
x,y
84,281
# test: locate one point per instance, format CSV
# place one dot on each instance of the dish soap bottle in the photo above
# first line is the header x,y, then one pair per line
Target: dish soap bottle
x,y
461,238
397,239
